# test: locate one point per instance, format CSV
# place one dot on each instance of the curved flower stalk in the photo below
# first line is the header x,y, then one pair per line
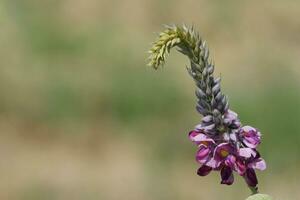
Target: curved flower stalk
x,y
224,145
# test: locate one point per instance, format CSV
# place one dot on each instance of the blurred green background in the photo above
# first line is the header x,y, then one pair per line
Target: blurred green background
x,y
83,117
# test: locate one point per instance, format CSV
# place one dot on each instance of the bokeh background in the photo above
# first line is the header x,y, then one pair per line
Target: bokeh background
x,y
83,117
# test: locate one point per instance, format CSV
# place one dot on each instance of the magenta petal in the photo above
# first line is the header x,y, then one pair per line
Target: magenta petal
x,y
250,177
230,161
202,154
204,170
240,167
193,134
227,176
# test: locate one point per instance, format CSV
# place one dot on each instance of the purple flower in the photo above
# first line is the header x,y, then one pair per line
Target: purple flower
x,y
227,149
226,161
250,136
253,161
224,154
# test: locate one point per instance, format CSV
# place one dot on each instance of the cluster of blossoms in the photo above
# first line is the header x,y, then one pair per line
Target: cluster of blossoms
x,y
233,148
223,143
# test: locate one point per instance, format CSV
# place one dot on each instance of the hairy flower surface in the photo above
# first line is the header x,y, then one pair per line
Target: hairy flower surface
x,y
223,144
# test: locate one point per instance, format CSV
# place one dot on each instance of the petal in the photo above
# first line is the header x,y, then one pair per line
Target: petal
x,y
230,161
205,128
200,138
233,137
202,154
203,138
247,152
193,134
240,167
213,163
227,176
259,164
250,177
207,119
249,144
204,170
248,129
231,115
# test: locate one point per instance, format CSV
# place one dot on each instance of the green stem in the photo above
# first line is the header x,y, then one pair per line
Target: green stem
x,y
254,190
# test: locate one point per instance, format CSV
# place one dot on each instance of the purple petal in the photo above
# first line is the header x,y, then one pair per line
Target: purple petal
x,y
212,163
248,129
247,152
204,170
259,164
202,154
205,128
227,176
200,138
233,137
250,177
230,161
193,134
231,115
207,119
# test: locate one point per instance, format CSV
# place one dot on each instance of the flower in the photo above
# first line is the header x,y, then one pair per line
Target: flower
x,y
233,149
226,157
252,163
223,154
205,146
250,136
228,149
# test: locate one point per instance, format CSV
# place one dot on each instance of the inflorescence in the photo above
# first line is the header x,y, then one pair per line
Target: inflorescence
x,y
223,143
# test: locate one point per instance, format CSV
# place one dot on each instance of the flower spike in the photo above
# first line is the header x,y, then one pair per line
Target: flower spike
x,y
223,144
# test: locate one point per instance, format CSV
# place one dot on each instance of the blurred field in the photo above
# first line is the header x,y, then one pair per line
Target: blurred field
x,y
82,117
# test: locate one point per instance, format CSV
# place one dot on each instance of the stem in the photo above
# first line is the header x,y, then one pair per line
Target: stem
x,y
254,190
